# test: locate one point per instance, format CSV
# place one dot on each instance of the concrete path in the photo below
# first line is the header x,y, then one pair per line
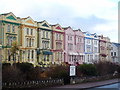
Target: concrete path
x,y
90,84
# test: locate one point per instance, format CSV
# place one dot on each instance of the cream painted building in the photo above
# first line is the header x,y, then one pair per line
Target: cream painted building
x,y
44,44
28,40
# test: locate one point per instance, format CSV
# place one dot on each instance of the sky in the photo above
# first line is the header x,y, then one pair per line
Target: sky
x,y
94,16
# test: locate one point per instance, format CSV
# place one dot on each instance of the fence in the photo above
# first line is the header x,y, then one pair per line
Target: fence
x,y
33,84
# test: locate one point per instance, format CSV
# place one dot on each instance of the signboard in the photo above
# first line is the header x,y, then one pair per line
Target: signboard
x,y
72,70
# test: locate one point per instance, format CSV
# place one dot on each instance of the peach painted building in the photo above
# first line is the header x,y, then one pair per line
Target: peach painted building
x,y
74,46
57,44
104,48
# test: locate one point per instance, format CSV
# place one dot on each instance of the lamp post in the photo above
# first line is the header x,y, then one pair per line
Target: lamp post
x,y
0,67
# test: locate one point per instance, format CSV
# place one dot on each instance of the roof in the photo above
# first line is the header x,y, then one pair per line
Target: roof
x,y
66,27
41,21
5,13
117,44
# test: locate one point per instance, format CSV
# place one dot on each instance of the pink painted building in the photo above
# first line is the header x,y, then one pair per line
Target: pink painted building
x,y
79,45
74,46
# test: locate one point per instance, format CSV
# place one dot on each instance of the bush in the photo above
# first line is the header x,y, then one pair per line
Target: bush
x,y
11,73
58,71
87,70
106,67
20,72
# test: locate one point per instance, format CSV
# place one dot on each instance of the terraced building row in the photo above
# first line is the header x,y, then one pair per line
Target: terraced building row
x,y
44,44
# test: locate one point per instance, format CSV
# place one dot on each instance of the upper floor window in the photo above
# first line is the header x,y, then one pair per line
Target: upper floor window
x,y
114,53
27,40
88,41
32,42
31,31
80,39
32,54
27,31
95,42
43,34
56,36
68,37
8,28
111,53
59,36
46,34
13,29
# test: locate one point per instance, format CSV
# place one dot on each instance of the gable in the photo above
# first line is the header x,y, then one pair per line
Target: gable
x,y
10,17
87,34
45,25
58,27
30,21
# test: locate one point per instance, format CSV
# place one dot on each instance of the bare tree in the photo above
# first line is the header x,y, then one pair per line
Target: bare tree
x,y
14,50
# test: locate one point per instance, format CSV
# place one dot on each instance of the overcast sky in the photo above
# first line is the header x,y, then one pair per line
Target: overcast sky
x,y
94,16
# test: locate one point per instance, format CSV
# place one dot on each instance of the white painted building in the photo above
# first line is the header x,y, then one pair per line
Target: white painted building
x,y
95,47
115,52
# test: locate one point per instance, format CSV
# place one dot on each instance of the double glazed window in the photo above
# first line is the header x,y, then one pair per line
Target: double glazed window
x,y
8,28
13,29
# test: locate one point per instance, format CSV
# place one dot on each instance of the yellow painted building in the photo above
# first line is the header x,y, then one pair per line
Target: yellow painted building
x,y
57,44
44,54
28,40
9,29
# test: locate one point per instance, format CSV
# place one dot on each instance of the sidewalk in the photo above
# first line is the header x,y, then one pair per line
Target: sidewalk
x,y
89,84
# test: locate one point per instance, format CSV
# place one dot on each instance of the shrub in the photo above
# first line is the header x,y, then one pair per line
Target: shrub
x,y
105,67
11,73
58,71
87,70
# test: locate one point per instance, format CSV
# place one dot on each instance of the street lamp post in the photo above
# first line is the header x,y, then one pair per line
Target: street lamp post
x,y
0,67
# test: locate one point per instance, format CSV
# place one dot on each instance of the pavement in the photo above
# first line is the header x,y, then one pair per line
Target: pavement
x,y
87,85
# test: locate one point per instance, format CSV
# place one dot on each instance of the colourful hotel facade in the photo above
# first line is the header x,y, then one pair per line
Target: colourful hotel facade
x,y
28,39
57,44
9,33
79,46
43,44
104,48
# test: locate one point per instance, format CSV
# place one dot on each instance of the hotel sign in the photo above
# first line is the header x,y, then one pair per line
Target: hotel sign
x,y
72,70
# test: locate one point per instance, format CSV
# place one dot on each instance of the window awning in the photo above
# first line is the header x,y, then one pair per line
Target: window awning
x,y
6,46
47,53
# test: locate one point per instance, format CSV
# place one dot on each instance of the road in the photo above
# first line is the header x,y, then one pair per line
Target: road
x,y
116,85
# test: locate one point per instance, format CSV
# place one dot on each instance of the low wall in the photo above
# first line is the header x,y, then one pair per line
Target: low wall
x,y
33,84
75,80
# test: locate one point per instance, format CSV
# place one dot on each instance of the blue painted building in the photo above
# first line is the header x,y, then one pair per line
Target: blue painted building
x,y
91,48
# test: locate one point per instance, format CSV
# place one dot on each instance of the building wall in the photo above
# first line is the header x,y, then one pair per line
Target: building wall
x,y
58,44
114,52
70,49
28,40
8,34
44,44
95,47
79,45
88,40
